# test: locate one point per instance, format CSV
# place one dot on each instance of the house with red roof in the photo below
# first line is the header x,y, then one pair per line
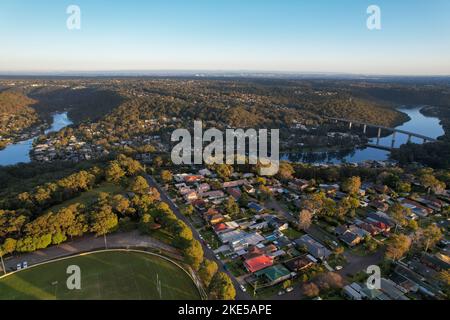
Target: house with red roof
x,y
199,204
193,178
220,227
258,263
382,226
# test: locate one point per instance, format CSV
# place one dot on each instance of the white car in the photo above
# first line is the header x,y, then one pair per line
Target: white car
x,y
209,247
243,288
338,268
217,257
363,204
25,264
289,289
19,266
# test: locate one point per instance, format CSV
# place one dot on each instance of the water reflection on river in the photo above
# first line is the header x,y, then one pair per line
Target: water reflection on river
x,y
427,126
20,152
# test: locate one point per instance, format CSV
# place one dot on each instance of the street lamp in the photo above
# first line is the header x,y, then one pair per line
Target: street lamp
x,y
3,263
255,288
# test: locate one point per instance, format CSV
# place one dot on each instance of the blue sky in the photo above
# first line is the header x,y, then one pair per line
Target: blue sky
x,y
263,35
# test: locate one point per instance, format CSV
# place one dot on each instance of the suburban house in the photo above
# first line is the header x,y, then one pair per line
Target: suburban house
x,y
234,192
190,196
199,204
205,172
437,261
381,217
220,227
215,219
416,208
351,235
204,187
249,189
215,194
259,225
350,239
373,230
253,251
379,205
233,184
248,239
258,263
255,206
352,292
315,248
238,239
274,274
231,236
193,178
329,188
276,223
422,286
300,263
298,184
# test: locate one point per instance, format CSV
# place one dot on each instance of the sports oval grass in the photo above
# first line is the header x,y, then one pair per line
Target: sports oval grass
x,y
111,275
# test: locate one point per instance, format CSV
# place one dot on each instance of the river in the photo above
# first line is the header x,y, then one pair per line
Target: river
x,y
20,151
427,126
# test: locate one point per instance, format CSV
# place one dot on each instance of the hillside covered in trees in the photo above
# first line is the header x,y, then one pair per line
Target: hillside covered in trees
x,y
16,113
110,112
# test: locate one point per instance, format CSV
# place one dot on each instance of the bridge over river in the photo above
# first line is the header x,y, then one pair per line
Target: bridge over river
x,y
380,129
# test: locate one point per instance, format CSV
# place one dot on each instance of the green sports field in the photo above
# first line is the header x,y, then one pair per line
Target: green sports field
x,y
104,275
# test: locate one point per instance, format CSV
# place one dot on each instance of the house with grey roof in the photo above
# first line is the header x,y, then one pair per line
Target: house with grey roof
x,y
315,248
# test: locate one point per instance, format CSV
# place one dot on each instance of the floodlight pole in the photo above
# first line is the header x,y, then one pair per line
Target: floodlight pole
x,y
3,263
104,238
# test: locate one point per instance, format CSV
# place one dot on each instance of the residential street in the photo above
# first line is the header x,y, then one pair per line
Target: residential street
x,y
208,253
274,205
360,263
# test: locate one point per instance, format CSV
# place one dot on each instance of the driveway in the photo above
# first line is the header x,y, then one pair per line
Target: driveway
x,y
356,263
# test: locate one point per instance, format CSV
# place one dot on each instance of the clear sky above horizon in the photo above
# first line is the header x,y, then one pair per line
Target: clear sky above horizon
x,y
259,35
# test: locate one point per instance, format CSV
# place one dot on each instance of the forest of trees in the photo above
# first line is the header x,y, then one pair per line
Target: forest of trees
x,y
42,216
16,114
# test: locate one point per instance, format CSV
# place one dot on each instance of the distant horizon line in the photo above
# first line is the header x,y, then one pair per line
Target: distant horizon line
x,y
213,72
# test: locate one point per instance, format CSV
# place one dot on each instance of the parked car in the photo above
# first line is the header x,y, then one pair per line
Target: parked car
x,y
243,288
24,264
281,292
289,289
19,266
338,268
